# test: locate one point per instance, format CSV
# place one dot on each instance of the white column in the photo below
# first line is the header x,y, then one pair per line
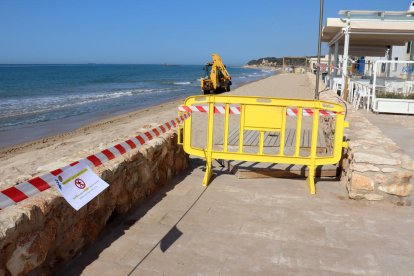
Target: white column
x,y
329,76
410,67
336,59
345,57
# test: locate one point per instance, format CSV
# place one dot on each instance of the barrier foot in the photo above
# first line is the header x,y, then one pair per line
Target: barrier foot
x,y
209,172
311,180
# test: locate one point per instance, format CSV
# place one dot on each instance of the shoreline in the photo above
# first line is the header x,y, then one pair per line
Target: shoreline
x,y
55,136
13,136
16,148
262,67
28,160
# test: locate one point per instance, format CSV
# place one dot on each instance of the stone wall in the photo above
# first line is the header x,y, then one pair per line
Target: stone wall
x,y
44,231
373,167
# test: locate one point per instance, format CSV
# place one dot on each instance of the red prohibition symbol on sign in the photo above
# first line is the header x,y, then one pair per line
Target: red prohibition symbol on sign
x,y
80,183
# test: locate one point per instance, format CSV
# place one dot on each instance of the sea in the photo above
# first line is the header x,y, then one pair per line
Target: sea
x,y
40,100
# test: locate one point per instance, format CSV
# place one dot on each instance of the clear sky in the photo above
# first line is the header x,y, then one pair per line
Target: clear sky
x,y
164,31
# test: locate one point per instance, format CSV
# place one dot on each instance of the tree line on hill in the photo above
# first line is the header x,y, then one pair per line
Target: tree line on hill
x,y
274,61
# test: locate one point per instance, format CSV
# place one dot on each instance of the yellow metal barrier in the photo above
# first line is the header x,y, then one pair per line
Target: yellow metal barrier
x,y
264,115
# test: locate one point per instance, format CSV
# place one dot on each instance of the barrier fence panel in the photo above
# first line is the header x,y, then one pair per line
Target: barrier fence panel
x,y
259,129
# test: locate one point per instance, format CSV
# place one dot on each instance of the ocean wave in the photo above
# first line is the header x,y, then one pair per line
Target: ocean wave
x,y
182,82
29,106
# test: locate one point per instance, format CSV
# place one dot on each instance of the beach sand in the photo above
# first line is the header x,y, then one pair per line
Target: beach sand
x,y
24,161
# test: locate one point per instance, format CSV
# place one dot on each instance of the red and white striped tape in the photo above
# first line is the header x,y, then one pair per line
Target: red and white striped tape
x,y
309,112
220,109
21,191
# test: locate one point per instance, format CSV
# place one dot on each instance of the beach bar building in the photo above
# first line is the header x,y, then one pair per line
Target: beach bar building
x,y
356,34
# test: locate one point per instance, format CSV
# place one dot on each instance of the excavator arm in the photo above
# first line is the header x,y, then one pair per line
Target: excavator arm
x,y
218,71
217,79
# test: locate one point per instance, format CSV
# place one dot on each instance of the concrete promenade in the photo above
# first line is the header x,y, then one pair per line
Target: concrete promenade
x,y
253,226
400,128
243,227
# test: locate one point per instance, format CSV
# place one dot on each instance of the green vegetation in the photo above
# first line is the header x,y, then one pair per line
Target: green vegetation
x,y
266,60
274,61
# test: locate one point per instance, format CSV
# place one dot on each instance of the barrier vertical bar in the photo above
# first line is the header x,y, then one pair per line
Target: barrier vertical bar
x,y
261,142
282,134
298,131
314,141
179,128
340,124
209,152
241,134
226,128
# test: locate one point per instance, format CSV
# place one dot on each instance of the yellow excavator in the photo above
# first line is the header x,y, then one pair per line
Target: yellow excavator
x,y
216,78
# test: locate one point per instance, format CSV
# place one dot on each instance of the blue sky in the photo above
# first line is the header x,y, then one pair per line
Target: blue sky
x,y
164,31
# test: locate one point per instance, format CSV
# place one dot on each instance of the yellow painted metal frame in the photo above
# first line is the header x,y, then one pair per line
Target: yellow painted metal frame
x,y
258,113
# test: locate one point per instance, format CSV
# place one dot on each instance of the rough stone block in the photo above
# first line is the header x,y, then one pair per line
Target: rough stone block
x,y
364,167
397,189
389,170
362,157
398,177
373,197
361,182
407,163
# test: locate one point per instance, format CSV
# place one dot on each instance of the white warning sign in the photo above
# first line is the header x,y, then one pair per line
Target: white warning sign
x,y
79,185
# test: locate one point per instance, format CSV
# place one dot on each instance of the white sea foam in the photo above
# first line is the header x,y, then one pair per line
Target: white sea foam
x,y
13,107
182,83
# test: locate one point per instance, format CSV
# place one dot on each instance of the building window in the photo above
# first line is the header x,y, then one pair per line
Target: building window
x,y
408,47
395,65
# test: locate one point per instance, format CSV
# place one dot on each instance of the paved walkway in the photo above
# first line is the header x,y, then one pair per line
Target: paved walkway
x,y
281,85
243,227
253,226
399,128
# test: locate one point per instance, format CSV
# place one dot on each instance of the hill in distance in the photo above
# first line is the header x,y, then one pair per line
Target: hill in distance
x,y
274,61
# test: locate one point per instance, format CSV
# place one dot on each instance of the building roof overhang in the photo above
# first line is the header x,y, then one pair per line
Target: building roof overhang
x,y
371,32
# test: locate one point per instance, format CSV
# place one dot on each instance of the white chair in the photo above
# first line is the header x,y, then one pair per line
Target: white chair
x,y
396,87
351,91
356,94
408,87
361,94
337,85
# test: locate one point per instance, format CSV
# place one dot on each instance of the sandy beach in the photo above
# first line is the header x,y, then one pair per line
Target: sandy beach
x,y
24,161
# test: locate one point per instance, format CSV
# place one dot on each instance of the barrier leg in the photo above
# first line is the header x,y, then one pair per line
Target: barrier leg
x,y
209,171
209,151
311,179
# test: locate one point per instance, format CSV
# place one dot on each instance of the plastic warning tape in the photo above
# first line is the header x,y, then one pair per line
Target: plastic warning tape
x,y
21,191
220,109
